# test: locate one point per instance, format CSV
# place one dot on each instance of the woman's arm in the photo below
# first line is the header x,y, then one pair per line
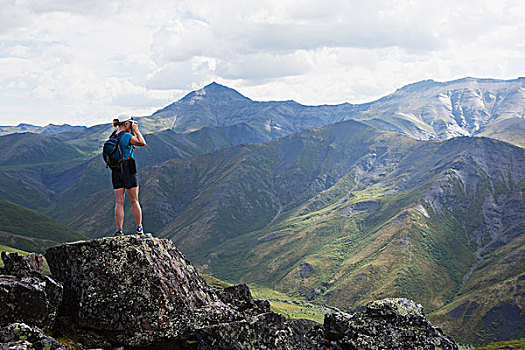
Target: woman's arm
x,y
137,140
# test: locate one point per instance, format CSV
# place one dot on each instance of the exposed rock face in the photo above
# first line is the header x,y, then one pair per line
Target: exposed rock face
x,y
265,331
26,295
385,324
133,291
143,293
16,264
22,336
240,298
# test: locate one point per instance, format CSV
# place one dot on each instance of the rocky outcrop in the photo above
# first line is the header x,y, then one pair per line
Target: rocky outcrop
x,y
19,265
385,324
27,295
143,293
265,331
21,336
133,291
240,298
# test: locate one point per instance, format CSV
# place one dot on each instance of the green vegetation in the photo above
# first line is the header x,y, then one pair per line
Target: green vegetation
x,y
289,306
28,230
505,345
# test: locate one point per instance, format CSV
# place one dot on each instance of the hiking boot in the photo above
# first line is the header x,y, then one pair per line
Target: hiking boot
x,y
140,230
119,233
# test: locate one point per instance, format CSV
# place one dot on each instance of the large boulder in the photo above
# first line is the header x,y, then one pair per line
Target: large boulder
x,y
385,324
27,295
133,291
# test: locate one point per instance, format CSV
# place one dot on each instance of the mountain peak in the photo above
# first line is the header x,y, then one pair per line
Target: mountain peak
x,y
423,84
215,92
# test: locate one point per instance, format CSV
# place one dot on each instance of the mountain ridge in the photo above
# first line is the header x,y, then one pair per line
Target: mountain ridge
x,y
424,110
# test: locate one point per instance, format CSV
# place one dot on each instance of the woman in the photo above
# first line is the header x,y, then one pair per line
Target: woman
x,y
126,179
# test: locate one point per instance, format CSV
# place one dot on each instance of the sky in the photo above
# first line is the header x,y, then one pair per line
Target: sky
x,y
84,62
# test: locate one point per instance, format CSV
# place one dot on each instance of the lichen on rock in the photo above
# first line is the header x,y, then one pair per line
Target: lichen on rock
x,y
23,336
27,295
135,291
385,324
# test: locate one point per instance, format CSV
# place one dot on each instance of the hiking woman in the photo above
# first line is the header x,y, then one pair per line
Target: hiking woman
x,y
126,178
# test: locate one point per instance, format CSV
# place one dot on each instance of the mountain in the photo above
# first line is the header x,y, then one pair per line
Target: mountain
x,y
31,231
218,105
346,214
50,129
423,110
339,214
464,107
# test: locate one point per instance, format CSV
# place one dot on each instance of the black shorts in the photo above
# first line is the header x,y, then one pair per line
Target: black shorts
x,y
127,178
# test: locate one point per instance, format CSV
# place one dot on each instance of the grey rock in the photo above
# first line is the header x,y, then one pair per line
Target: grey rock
x,y
27,295
240,298
385,324
265,331
16,264
133,291
23,336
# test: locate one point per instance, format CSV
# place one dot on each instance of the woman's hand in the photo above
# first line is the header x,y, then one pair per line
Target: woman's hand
x,y
137,140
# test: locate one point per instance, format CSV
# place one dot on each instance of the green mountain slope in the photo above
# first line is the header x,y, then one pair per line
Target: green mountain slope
x,y
28,230
30,149
344,214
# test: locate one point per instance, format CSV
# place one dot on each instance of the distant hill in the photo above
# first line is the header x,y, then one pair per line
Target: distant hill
x,y
29,149
50,129
31,231
47,172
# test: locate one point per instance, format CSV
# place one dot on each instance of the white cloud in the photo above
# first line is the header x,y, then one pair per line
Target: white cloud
x,y
87,60
181,75
264,66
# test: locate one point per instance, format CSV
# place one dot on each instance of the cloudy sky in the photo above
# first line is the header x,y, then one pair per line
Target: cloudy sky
x,y
85,61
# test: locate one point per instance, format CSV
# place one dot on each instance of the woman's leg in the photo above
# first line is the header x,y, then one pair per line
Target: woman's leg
x,y
119,206
133,195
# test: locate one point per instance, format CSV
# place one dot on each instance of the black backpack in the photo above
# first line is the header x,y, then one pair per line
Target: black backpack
x,y
111,151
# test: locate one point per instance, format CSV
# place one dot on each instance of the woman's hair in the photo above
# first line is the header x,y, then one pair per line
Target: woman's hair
x,y
116,123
